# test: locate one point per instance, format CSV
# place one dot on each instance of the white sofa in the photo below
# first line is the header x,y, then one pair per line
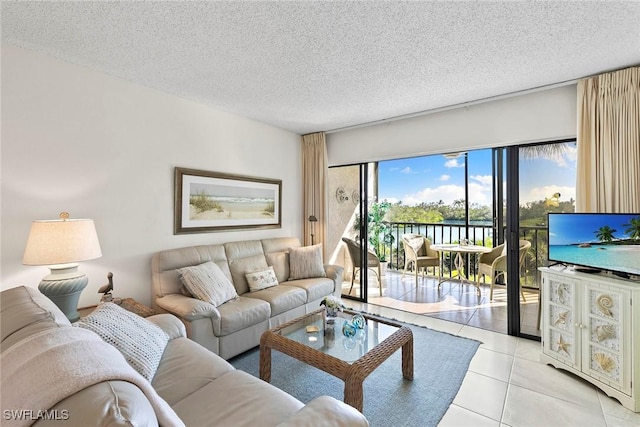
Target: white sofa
x,y
236,326
199,386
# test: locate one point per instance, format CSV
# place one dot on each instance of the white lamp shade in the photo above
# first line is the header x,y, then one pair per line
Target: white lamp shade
x,y
61,242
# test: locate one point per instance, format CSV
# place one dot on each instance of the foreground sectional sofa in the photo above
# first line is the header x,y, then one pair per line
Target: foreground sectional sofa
x,y
56,374
236,325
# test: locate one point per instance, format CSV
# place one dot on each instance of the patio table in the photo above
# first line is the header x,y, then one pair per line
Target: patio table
x,y
459,250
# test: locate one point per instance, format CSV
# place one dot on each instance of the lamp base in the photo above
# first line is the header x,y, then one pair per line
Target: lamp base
x,y
65,293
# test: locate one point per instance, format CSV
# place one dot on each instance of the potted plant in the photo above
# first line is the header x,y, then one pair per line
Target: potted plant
x,y
379,231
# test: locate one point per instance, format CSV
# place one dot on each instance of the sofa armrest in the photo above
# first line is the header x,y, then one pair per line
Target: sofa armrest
x,y
170,324
325,411
187,308
335,273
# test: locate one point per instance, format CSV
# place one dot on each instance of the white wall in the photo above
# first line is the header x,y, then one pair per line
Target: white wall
x,y
99,147
545,115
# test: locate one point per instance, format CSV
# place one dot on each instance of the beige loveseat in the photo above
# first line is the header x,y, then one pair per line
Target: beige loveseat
x,y
199,387
237,325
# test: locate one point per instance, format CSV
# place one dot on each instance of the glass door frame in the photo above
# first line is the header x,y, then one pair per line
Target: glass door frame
x,y
363,237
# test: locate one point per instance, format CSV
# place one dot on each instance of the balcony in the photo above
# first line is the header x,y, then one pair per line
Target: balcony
x,y
455,301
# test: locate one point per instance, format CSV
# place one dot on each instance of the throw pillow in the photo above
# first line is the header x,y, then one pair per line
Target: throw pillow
x,y
262,279
140,341
417,244
207,282
306,262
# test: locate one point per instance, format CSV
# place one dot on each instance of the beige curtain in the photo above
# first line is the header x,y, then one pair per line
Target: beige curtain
x,y
608,178
314,187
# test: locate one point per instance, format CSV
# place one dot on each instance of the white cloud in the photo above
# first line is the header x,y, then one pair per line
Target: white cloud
x,y
453,163
448,193
485,180
407,170
445,177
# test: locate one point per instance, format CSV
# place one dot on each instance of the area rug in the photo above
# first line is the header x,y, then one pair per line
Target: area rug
x,y
441,361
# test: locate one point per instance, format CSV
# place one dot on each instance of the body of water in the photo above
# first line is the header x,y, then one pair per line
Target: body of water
x,y
450,232
625,258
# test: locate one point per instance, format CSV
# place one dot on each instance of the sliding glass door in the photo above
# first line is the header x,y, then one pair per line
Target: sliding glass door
x,y
347,233
540,178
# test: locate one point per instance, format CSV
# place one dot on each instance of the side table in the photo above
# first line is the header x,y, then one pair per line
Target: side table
x,y
128,304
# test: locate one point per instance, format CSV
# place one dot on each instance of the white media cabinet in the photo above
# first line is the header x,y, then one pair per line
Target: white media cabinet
x,y
591,327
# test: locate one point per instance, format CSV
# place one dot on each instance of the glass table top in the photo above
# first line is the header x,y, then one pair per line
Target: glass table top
x,y
329,339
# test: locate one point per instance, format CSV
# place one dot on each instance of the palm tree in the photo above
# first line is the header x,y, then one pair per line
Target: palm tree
x,y
633,228
545,151
605,233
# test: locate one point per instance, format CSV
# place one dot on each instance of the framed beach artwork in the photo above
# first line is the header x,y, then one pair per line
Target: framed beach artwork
x,y
211,201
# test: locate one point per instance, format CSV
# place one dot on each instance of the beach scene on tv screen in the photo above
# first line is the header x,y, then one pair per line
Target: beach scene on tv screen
x,y
605,241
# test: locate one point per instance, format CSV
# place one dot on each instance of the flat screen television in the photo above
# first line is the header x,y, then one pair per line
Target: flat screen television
x,y
596,241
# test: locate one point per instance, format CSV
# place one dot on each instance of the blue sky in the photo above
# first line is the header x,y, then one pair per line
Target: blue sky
x,y
432,178
578,228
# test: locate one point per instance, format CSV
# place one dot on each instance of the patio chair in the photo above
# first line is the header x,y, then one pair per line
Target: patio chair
x,y
373,262
417,251
494,264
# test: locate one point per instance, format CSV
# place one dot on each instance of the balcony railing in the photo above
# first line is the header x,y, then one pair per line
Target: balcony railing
x,y
478,234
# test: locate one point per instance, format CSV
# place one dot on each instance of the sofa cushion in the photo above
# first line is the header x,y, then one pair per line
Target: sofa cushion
x,y
280,263
208,283
239,267
281,298
240,400
276,251
306,262
261,279
164,265
316,288
185,367
140,341
240,313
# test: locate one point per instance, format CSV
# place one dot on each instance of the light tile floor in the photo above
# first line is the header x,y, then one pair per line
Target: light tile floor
x,y
506,384
454,302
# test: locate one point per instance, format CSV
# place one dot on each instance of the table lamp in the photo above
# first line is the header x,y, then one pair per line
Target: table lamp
x,y
60,245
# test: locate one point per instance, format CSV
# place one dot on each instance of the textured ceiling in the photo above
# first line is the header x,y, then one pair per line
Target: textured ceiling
x,y
312,66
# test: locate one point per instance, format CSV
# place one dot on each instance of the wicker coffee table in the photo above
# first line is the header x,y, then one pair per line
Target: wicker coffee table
x,y
350,359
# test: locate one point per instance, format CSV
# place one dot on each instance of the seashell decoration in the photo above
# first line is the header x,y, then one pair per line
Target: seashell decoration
x,y
605,362
604,332
605,303
562,318
562,293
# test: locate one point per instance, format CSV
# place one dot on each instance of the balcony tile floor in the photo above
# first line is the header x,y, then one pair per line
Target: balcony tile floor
x,y
506,384
453,302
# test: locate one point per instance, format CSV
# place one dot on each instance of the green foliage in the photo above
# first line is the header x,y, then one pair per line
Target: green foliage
x,y
204,203
605,233
535,213
400,213
379,230
437,212
633,228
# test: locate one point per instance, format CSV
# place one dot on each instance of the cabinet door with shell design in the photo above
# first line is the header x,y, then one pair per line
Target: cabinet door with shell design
x,y
607,314
560,340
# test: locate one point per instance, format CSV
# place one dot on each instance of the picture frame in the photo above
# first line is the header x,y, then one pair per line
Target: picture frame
x,y
208,202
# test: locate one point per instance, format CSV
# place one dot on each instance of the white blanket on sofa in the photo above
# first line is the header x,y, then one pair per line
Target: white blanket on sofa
x,y
49,366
